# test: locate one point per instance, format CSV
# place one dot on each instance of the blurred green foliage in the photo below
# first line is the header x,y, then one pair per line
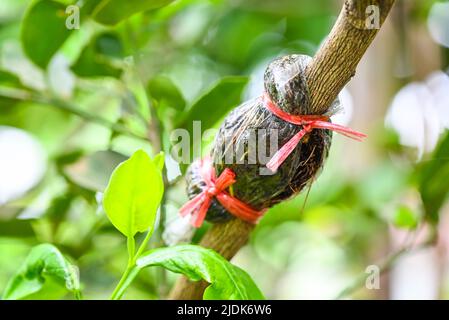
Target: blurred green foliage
x,y
433,183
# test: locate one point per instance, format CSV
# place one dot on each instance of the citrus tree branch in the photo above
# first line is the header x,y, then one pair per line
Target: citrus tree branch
x,y
335,62
225,238
330,70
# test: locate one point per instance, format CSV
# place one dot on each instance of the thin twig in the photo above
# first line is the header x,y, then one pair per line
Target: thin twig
x,y
385,266
24,95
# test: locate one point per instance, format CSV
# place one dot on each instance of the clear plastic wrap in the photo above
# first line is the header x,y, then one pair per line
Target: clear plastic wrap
x,y
246,138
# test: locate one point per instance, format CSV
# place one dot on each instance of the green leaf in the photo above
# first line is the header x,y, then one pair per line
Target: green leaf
x,y
159,161
405,218
111,12
165,92
45,268
433,180
133,194
17,228
227,281
109,44
215,103
8,78
96,59
93,171
44,31
211,107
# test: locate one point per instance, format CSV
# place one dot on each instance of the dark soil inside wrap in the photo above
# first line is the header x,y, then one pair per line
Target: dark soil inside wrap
x,y
251,122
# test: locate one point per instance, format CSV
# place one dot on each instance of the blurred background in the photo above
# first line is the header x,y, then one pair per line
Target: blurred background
x,y
77,100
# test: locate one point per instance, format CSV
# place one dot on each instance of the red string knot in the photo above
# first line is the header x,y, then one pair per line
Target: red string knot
x,y
308,123
307,127
198,206
212,191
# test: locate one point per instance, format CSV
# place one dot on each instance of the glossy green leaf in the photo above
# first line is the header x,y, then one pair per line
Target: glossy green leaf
x,y
45,271
96,59
133,194
215,103
405,218
44,31
165,92
227,282
111,12
434,180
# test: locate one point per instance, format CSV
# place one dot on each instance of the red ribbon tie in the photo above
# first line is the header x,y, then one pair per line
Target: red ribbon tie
x,y
308,123
216,187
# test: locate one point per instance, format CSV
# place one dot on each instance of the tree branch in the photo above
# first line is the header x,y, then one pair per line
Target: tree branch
x,y
336,61
332,67
225,238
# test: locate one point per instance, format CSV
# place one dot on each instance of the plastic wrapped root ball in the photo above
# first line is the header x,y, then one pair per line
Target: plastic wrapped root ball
x,y
250,133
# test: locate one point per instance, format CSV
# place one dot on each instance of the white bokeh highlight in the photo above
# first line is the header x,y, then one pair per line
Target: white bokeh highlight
x,y
60,78
419,113
22,163
438,23
415,276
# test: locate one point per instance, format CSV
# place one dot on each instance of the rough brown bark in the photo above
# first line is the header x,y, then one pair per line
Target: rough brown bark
x,y
332,67
335,62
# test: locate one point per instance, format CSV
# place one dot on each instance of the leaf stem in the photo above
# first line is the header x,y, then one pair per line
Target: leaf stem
x,y
131,244
118,291
144,244
77,294
131,270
